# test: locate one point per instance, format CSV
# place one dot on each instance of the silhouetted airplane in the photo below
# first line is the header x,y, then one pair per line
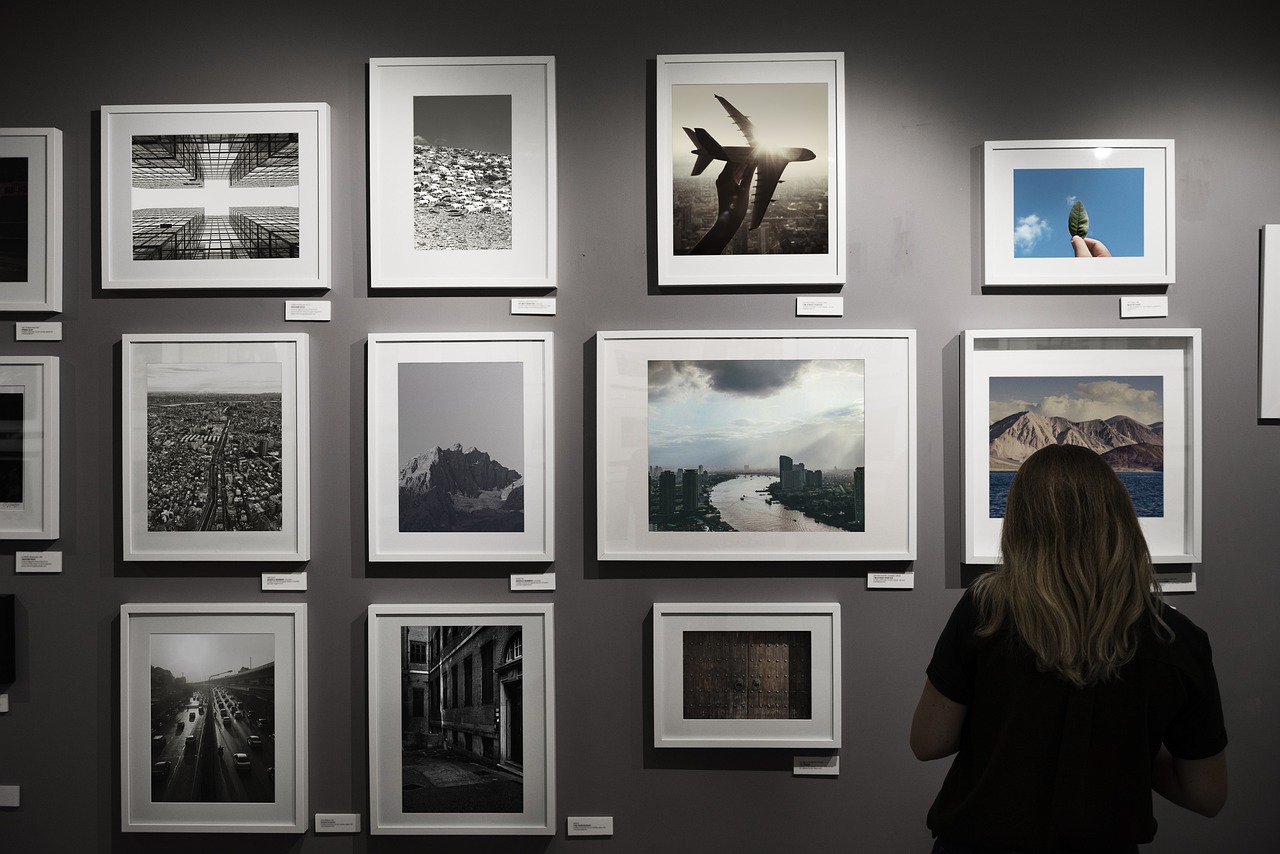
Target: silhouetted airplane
x,y
766,162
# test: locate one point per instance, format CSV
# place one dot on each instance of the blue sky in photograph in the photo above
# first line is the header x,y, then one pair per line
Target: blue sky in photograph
x,y
1042,200
1079,398
731,413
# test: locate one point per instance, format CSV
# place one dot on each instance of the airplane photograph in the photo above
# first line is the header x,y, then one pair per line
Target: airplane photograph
x,y
709,216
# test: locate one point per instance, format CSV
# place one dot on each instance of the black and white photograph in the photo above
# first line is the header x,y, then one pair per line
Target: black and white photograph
x,y
30,219
213,717
738,675
215,196
12,445
212,713
746,674
29,452
216,442
14,226
755,445
460,446
750,169
463,719
462,172
461,464
220,196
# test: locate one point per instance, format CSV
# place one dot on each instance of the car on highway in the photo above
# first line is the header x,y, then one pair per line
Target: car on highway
x,y
160,770
241,761
157,742
255,741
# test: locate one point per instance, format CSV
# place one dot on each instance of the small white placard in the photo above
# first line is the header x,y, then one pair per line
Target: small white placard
x,y
819,306
284,581
533,305
1144,306
891,580
48,331
10,796
302,309
589,825
37,562
1176,582
533,581
816,766
337,822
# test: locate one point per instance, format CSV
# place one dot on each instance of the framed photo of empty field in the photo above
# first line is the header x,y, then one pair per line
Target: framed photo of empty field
x,y
462,719
29,451
462,172
461,446
30,219
215,197
1078,212
216,449
746,675
1134,397
756,445
213,718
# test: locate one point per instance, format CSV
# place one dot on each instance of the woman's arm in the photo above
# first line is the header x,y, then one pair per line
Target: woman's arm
x,y
935,727
1199,785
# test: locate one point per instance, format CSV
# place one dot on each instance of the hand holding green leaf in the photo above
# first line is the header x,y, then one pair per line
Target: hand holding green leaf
x,y
1078,220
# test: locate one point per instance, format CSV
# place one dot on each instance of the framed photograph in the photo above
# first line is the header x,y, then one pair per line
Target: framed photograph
x,y
1115,195
213,718
756,445
216,460
1132,396
750,169
29,448
746,675
216,197
462,719
30,219
1269,328
455,474
462,172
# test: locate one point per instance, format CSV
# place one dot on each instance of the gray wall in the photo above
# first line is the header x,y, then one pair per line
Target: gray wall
x,y
925,88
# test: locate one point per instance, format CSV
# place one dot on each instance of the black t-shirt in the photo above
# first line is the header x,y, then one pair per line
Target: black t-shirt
x,y
1044,766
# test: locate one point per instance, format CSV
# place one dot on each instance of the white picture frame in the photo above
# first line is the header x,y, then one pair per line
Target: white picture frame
x,y
501,107
426,418
29,447
165,433
770,651
797,99
170,224
31,213
266,791
872,465
1090,375
417,648
1029,188
1269,325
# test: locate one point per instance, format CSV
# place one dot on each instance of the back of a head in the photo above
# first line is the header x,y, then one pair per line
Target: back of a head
x,y
1075,575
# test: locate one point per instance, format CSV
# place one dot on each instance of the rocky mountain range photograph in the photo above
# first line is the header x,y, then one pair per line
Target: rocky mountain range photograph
x,y
456,490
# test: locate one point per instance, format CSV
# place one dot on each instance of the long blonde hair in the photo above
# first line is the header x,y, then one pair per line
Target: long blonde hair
x,y
1075,578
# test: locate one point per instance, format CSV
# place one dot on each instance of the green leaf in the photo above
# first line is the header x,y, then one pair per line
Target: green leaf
x,y
1078,220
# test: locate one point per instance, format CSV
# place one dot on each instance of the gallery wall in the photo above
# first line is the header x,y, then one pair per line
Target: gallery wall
x,y
926,85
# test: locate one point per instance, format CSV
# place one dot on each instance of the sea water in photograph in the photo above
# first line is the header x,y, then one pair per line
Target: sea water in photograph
x,y
461,446
11,446
1043,200
1121,418
215,196
14,203
462,719
748,675
462,172
213,718
731,144
756,445
214,442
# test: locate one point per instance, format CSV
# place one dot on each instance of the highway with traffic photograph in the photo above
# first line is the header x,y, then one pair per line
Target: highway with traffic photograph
x,y
219,748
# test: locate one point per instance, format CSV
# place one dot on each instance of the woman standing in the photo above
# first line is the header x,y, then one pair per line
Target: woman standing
x,y
1064,685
